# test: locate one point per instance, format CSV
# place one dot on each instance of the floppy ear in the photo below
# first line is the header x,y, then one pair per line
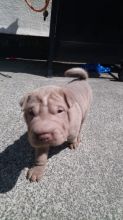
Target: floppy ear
x,y
23,101
68,98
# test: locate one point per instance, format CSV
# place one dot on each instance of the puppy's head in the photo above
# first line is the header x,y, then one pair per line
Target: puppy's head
x,y
46,112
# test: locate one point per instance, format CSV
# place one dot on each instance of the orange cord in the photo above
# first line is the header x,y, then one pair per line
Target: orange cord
x,y
41,9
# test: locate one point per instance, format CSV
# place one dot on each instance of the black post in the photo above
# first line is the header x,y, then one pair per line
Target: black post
x,y
52,36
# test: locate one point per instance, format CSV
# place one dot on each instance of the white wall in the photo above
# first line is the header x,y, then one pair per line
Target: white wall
x,y
17,18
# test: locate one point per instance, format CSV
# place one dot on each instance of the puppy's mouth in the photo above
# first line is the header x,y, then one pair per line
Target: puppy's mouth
x,y
46,139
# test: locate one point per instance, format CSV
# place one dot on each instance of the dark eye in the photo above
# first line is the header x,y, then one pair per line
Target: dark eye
x,y
60,110
31,113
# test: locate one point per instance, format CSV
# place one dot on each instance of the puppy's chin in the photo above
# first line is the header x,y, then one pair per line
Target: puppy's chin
x,y
38,144
45,145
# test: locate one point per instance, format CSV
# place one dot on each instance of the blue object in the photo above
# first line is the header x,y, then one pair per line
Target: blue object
x,y
98,68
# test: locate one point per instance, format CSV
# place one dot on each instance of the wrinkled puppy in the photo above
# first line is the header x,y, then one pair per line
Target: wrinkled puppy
x,y
54,115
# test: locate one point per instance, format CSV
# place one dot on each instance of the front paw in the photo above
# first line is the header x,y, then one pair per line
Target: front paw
x,y
35,173
75,143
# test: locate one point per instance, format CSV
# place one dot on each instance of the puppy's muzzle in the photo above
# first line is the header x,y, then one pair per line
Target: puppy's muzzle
x,y
43,137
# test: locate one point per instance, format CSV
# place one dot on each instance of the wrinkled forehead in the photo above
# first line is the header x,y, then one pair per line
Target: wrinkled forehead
x,y
56,98
46,97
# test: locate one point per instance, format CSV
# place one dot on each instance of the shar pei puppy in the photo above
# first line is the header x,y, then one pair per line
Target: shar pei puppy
x,y
54,115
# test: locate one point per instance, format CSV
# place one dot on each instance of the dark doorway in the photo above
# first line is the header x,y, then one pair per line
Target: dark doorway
x,y
90,31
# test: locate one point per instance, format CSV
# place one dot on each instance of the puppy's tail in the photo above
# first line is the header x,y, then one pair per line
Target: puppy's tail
x,y
77,72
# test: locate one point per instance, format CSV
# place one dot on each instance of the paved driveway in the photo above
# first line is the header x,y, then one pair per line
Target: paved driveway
x,y
85,184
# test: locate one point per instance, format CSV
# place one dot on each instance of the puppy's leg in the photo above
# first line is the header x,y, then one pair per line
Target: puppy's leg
x,y
73,144
36,172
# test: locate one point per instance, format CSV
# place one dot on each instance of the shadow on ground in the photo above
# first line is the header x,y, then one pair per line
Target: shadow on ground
x,y
15,158
41,68
33,67
23,66
12,160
